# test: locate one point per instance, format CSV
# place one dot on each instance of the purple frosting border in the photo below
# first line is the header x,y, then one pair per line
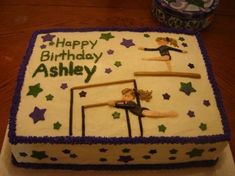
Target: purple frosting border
x,y
203,163
115,140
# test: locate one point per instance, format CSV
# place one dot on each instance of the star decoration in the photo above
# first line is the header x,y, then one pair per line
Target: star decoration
x,y
118,64
37,114
57,126
166,96
53,159
212,150
125,159
64,86
34,90
108,70
146,35
49,97
191,113
127,43
82,94
43,46
181,39
51,43
23,154
103,159
190,65
172,158
195,152
66,151
39,154
73,155
184,44
173,151
187,88
126,150
206,103
116,115
162,128
203,126
110,52
152,151
47,37
103,150
106,36
146,157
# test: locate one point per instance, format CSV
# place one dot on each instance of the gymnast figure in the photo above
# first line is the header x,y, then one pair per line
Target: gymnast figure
x,y
127,102
164,50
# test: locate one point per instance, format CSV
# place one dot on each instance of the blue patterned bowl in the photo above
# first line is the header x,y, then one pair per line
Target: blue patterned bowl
x,y
185,14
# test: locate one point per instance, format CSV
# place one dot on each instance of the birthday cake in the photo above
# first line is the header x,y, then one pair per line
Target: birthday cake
x,y
116,99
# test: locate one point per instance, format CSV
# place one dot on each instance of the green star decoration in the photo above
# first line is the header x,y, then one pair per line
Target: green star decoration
x,y
57,125
39,154
126,150
203,126
49,97
34,90
116,115
106,36
162,128
146,35
118,64
187,88
195,152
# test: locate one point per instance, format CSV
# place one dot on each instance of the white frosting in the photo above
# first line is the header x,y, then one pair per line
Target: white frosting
x,y
99,121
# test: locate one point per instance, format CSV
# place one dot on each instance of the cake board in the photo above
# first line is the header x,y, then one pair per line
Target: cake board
x,y
225,167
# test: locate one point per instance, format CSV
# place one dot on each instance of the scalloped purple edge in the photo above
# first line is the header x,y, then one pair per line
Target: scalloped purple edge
x,y
202,163
115,140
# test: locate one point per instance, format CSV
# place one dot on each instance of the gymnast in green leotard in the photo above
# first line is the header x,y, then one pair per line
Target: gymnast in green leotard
x,y
164,49
127,102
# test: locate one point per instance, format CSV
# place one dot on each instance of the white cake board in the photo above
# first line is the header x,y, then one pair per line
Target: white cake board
x,y
224,167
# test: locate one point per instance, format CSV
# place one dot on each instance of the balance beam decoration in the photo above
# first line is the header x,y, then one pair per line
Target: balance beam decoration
x,y
116,99
167,73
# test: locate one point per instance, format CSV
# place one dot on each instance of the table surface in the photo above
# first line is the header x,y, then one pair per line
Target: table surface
x,y
18,19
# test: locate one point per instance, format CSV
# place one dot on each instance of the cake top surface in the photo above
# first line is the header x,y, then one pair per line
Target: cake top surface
x,y
112,84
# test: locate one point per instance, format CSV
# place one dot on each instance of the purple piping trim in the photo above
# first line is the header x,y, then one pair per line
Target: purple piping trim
x,y
203,163
114,140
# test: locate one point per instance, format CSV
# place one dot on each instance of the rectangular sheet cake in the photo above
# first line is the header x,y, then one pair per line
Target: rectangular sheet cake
x,y
116,99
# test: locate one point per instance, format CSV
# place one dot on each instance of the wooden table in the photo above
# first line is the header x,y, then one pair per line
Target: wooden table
x,y
18,19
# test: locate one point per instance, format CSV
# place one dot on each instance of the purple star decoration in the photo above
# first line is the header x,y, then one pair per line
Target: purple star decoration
x,y
206,103
127,42
43,46
166,96
110,52
82,93
37,114
64,86
108,70
47,37
191,113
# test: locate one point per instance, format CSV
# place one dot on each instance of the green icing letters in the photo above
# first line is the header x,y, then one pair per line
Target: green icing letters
x,y
65,70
